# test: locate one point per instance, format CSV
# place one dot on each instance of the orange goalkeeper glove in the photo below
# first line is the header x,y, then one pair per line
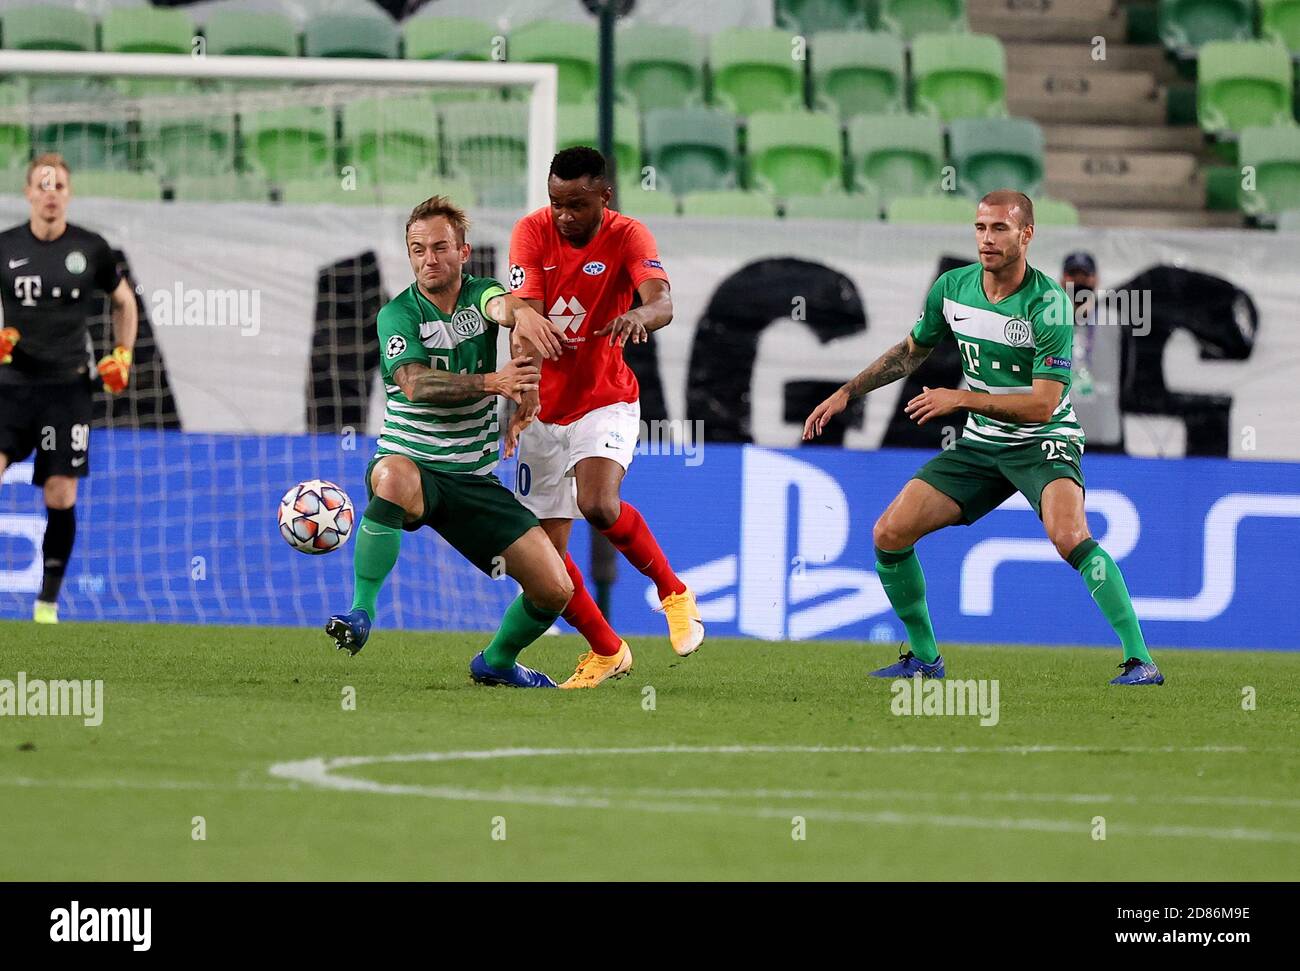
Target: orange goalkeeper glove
x,y
8,338
115,369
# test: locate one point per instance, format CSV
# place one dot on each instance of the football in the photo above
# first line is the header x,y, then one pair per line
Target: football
x,y
316,517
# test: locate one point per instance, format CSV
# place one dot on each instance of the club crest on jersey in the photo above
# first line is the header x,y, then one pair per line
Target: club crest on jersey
x,y
466,323
396,344
517,276
1017,332
75,262
594,268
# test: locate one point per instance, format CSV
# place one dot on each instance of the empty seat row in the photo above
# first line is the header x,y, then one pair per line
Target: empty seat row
x,y
1186,25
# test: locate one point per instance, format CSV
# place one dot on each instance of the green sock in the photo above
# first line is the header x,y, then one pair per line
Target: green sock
x,y
522,624
1106,584
378,540
900,574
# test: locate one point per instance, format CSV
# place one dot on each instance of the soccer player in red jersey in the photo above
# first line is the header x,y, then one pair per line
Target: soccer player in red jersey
x,y
581,264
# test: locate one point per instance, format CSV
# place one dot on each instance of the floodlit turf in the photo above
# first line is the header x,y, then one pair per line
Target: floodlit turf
x,y
1190,785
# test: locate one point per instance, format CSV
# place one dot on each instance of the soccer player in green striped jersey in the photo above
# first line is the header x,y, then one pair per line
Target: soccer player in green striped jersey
x,y
439,444
1014,328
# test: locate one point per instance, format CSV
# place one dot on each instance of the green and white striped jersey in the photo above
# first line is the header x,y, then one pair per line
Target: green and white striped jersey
x,y
1004,346
444,438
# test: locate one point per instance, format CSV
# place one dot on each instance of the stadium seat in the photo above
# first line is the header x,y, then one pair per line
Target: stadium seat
x,y
946,208
141,186
1280,20
350,35
811,16
1288,221
729,203
997,153
692,149
795,152
488,144
1274,153
250,33
290,143
15,142
1242,83
89,133
409,194
571,47
146,30
910,18
637,201
858,73
227,187
393,138
576,125
192,146
754,70
448,39
327,190
1185,25
862,206
1055,212
959,75
46,28
660,66
896,155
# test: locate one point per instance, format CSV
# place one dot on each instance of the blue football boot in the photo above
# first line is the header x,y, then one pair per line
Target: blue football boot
x,y
909,666
517,677
350,631
1139,672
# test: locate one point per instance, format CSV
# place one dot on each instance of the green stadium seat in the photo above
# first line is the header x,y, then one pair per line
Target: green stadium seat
x,y
1274,153
326,190
227,187
192,146
576,125
571,47
862,206
488,144
1055,212
45,28
795,152
15,141
142,186
1242,83
394,138
729,203
946,208
692,149
1185,25
349,35
448,39
1280,20
754,70
911,18
812,16
82,135
859,73
146,30
637,201
959,75
250,33
660,66
411,193
896,155
290,143
511,196
1288,221
997,153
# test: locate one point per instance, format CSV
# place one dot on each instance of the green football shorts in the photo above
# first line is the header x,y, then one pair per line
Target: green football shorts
x,y
979,478
476,514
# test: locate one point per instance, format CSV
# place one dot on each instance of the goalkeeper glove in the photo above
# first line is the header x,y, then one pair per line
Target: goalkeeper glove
x,y
8,338
115,369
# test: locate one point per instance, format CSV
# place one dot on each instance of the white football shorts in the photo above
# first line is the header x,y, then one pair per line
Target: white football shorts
x,y
545,482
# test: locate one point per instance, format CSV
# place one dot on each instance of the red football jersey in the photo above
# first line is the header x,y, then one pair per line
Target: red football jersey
x,y
582,290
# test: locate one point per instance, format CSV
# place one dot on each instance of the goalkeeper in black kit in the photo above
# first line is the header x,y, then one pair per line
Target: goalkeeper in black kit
x,y
53,276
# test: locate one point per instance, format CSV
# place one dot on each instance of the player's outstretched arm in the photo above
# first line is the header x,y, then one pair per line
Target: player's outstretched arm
x,y
528,324
1035,407
897,362
424,384
639,323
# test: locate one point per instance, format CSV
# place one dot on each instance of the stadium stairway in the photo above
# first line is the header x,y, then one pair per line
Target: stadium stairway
x,y
1109,148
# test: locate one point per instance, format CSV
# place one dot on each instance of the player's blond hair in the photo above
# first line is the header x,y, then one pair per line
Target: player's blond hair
x,y
51,160
441,206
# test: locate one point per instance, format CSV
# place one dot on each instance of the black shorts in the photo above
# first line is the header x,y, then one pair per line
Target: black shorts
x,y
52,420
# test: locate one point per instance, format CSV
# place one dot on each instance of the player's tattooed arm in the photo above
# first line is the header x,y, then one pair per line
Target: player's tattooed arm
x,y
1035,406
897,362
427,385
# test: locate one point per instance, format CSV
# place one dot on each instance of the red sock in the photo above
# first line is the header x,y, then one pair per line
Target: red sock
x,y
586,617
632,537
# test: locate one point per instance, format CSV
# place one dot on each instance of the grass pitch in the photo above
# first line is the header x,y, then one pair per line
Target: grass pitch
x,y
700,779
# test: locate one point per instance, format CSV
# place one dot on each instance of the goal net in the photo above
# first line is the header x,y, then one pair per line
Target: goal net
x,y
257,206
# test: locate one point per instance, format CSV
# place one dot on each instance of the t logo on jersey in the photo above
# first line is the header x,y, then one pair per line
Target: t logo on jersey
x,y
27,288
970,353
568,313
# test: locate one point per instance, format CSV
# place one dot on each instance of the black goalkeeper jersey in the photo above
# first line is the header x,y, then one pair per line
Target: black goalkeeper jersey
x,y
49,291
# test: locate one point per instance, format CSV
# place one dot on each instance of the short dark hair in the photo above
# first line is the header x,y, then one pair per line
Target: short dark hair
x,y
1010,197
578,161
